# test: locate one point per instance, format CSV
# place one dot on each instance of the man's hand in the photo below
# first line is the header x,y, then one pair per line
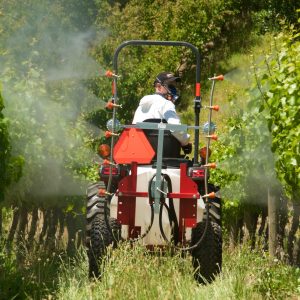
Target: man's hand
x,y
187,149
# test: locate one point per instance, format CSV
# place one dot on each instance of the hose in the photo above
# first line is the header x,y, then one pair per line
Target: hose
x,y
198,242
161,227
171,210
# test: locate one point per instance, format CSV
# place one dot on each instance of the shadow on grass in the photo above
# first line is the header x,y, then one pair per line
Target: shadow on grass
x,y
31,275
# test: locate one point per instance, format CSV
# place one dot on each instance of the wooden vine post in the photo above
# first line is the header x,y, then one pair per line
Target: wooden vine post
x,y
272,223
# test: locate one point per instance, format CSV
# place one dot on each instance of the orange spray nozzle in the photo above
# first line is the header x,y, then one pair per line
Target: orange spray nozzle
x,y
103,192
111,105
210,195
107,162
211,165
108,134
213,137
109,73
215,107
219,77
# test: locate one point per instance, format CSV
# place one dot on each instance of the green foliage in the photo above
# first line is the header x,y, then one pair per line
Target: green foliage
x,y
45,58
4,150
246,164
220,23
279,84
11,166
34,279
239,152
278,281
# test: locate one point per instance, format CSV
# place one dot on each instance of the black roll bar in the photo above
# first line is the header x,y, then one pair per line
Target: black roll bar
x,y
197,101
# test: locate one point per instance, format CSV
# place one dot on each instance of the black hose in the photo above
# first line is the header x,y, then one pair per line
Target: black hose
x,y
204,232
160,221
106,218
187,248
164,235
171,211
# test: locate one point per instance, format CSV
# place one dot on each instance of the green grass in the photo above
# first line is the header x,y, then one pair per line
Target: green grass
x,y
132,273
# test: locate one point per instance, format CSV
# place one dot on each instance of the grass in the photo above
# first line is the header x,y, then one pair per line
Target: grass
x,y
31,277
132,273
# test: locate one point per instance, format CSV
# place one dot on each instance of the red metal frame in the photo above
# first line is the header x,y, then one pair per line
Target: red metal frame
x,y
187,206
126,203
127,194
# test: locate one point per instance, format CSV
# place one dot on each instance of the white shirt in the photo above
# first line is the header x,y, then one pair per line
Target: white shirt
x,y
157,107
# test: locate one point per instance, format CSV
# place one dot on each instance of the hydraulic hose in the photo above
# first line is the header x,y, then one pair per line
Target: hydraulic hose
x,y
186,248
161,226
171,210
160,221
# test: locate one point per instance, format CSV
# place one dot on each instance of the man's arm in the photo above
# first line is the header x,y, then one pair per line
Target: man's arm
x,y
171,117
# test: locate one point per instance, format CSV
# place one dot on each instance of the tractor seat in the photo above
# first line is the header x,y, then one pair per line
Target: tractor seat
x,y
171,146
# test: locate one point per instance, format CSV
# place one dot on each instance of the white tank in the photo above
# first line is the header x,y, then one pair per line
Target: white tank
x,y
143,210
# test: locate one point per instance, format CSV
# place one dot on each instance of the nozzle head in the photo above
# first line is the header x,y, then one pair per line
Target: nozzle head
x,y
219,77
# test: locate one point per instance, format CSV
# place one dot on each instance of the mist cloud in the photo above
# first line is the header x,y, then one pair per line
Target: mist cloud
x,y
45,68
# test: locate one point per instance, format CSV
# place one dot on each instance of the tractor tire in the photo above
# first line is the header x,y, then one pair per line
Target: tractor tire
x,y
99,241
98,235
207,257
95,205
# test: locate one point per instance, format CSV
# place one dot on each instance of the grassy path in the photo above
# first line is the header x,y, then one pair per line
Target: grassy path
x,y
133,274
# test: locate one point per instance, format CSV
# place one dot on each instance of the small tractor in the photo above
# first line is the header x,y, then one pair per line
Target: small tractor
x,y
151,194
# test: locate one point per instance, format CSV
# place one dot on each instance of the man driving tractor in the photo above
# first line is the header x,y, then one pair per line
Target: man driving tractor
x,y
161,106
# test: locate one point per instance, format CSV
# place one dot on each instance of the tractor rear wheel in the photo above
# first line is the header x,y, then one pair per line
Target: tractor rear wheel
x,y
98,235
207,257
100,239
95,205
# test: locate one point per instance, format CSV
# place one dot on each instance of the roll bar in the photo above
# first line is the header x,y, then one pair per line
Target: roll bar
x,y
197,100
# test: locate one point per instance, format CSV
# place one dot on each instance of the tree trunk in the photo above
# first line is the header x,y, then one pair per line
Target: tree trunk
x,y
33,227
294,228
272,207
298,253
235,232
261,230
13,228
0,223
45,225
71,226
50,241
250,219
282,222
20,239
61,218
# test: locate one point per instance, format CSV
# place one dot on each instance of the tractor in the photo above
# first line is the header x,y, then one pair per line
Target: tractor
x,y
151,194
